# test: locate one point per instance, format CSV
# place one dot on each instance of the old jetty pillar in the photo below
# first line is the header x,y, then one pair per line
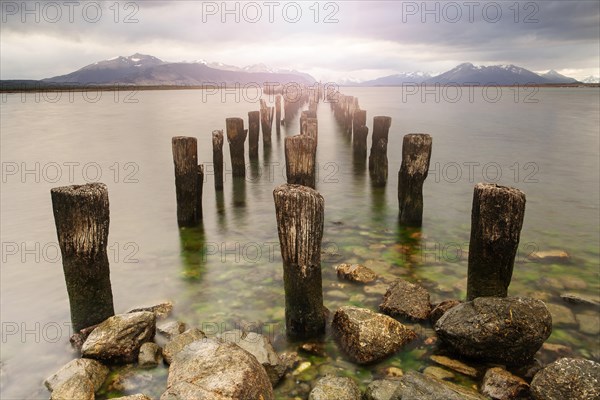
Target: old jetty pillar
x,y
236,136
81,215
300,160
217,142
300,212
278,114
496,221
253,134
416,153
359,119
189,177
266,121
378,161
359,143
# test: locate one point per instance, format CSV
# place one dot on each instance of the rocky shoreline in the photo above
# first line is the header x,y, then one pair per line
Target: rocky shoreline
x,y
491,341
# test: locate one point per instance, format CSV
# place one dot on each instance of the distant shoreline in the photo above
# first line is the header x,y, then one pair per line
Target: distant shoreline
x,y
40,88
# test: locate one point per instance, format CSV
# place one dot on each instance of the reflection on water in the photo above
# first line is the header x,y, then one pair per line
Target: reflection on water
x,y
228,270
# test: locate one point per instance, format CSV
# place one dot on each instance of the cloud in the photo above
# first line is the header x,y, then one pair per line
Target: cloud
x,y
359,38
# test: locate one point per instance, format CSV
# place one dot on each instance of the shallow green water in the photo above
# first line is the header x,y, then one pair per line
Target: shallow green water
x,y
228,273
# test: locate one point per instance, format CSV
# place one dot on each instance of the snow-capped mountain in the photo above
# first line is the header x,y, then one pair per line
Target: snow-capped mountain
x,y
140,69
399,79
469,74
591,79
555,77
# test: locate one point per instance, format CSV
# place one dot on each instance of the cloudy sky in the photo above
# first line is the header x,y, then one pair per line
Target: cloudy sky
x,y
331,40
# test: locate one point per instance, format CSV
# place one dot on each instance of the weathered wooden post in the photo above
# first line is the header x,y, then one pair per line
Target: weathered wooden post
x,y
312,129
278,113
253,134
378,161
496,221
236,136
300,160
81,215
217,142
188,183
359,143
266,121
416,153
359,119
300,212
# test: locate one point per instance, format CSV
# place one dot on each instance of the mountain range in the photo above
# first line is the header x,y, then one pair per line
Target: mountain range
x,y
146,70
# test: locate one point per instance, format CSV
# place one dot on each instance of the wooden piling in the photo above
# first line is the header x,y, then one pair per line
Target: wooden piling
x,y
312,129
217,142
300,160
378,161
253,134
416,153
359,143
236,136
359,119
188,186
496,222
81,215
300,213
266,121
278,114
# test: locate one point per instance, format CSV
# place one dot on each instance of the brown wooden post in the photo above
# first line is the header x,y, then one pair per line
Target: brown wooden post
x,y
312,129
300,213
359,143
300,160
358,119
187,184
217,141
416,153
81,215
236,136
496,222
278,114
253,134
266,121
378,161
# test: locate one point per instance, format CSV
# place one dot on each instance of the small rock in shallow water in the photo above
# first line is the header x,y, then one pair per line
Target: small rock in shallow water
x,y
502,330
567,378
76,387
355,273
91,369
406,300
393,372
334,388
500,384
577,299
439,373
161,310
133,397
178,342
118,339
149,356
382,389
441,308
417,386
561,315
367,336
550,257
170,329
589,322
455,365
317,349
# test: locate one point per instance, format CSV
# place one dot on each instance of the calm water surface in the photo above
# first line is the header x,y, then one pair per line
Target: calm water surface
x,y
228,273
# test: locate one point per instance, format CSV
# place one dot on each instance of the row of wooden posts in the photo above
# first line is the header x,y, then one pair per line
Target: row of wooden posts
x,y
82,217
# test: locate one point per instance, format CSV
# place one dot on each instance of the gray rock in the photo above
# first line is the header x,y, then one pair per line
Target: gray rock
x,y
406,300
149,356
503,330
367,336
440,309
171,329
93,370
212,370
261,348
417,386
133,397
567,378
355,273
335,388
499,384
381,389
118,339
177,343
75,387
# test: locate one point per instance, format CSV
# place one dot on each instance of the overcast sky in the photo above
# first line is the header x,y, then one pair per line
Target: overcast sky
x,y
330,40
